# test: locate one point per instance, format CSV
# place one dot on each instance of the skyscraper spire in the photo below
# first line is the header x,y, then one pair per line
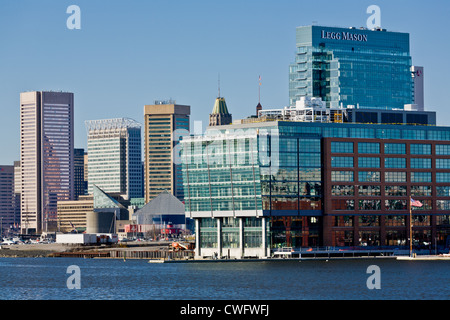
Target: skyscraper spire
x,y
259,91
259,106
218,85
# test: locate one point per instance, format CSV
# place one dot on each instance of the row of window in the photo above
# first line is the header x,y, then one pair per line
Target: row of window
x,y
375,176
390,163
389,191
389,205
389,148
389,220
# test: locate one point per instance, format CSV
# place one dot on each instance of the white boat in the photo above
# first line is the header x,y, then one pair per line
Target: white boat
x,y
156,261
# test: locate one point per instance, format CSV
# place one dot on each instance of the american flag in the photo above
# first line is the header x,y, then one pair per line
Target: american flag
x,y
416,203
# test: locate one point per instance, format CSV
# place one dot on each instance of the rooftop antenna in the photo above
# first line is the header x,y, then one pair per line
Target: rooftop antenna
x,y
218,84
259,90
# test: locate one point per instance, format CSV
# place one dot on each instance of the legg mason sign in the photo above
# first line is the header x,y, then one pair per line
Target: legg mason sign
x,y
344,36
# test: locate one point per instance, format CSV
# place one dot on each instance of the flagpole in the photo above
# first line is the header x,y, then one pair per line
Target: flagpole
x,y
410,227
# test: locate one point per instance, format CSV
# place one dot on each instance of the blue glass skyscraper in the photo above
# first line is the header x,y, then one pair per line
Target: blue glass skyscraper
x,y
352,67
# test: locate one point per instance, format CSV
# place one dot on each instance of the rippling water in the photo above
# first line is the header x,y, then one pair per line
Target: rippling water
x,y
46,278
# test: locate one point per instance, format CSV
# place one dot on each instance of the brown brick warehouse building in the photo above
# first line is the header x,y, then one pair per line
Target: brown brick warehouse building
x,y
367,185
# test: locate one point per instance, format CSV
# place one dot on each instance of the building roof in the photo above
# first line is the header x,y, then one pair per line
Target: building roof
x,y
104,201
220,106
164,204
111,124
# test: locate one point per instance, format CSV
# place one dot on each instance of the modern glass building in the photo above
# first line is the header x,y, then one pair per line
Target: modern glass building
x,y
114,156
352,67
7,200
80,184
255,188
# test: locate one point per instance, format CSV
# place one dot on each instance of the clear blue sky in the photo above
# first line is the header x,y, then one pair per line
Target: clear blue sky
x,y
130,53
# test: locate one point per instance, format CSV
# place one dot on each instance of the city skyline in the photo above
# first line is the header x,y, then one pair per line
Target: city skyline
x,y
139,51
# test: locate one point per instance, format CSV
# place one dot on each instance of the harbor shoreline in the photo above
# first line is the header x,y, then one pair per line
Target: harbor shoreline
x,y
160,253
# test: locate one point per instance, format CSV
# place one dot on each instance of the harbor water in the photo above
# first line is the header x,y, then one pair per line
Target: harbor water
x,y
108,279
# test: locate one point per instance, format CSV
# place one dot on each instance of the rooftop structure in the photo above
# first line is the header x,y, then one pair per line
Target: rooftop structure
x,y
220,115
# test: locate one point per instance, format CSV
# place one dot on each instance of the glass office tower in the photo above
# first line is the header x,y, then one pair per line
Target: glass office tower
x,y
115,156
46,157
352,67
255,188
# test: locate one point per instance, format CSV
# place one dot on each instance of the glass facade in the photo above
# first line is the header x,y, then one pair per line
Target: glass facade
x,y
347,66
276,185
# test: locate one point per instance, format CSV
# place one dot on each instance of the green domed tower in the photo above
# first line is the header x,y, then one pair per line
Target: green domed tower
x,y
220,115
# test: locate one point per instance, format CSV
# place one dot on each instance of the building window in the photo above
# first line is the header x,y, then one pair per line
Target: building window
x,y
342,147
421,163
395,176
421,220
342,205
443,149
443,191
395,204
369,205
230,232
370,191
208,233
421,191
369,176
421,176
363,133
342,162
342,190
369,238
423,149
395,191
307,160
310,174
394,221
442,163
442,177
443,205
343,238
343,221
369,162
443,220
369,221
310,189
252,232
427,205
395,163
368,148
395,148
342,176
